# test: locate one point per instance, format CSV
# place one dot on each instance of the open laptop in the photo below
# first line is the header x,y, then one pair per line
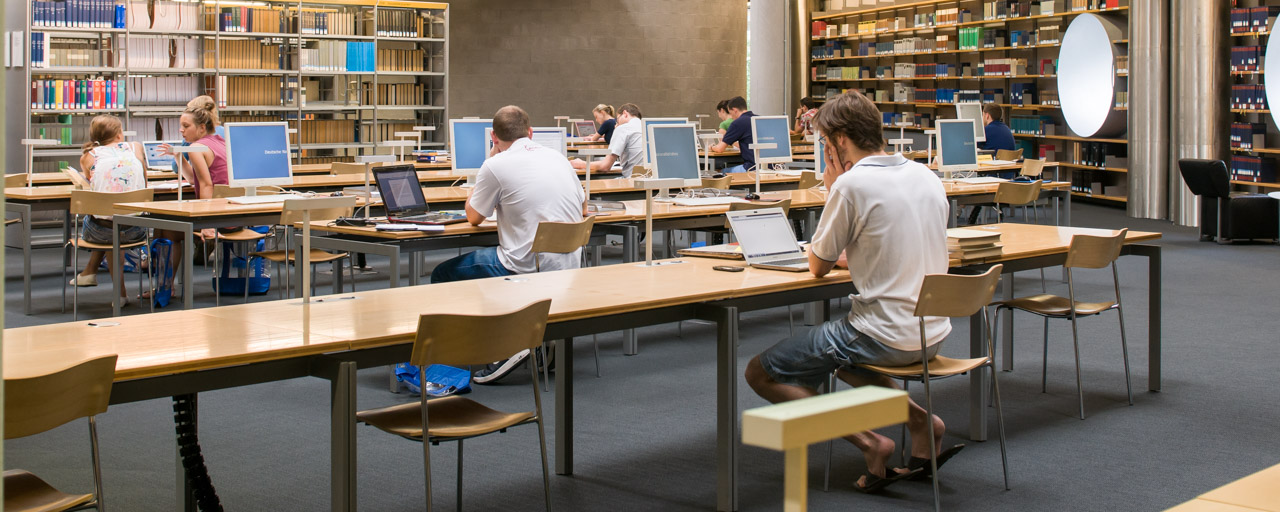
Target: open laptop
x,y
402,195
767,240
157,161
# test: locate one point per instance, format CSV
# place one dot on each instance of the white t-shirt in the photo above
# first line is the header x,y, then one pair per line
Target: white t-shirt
x,y
528,184
628,146
889,215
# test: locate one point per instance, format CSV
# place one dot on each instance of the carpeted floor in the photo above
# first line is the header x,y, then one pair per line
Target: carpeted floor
x,y
646,431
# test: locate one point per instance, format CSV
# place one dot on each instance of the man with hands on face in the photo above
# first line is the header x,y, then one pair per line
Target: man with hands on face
x,y
888,216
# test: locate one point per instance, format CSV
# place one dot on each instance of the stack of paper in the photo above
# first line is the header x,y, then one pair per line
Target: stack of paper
x,y
972,244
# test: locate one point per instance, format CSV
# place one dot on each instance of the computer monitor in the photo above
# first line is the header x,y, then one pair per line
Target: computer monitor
x,y
258,154
973,111
819,151
553,137
654,121
675,150
957,151
584,128
400,190
772,130
469,145
156,160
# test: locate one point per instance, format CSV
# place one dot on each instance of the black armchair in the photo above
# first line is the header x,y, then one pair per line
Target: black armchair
x,y
1225,216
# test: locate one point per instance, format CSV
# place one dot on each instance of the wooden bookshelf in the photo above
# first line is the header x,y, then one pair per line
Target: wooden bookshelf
x,y
909,34
405,45
1247,117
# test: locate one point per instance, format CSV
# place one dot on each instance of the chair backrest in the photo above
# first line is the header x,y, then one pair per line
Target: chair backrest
x,y
460,340
1009,154
36,404
88,202
785,204
951,295
1089,251
220,191
15,180
1032,167
721,183
808,180
1017,194
321,208
347,168
562,237
1207,178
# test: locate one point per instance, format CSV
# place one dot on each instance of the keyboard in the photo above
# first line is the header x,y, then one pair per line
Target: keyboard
x,y
799,264
433,218
277,198
790,262
997,162
707,201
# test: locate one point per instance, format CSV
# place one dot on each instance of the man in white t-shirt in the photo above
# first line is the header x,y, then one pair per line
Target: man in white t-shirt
x,y
627,146
888,216
524,183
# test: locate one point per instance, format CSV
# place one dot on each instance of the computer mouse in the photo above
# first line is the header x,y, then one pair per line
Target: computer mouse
x,y
337,194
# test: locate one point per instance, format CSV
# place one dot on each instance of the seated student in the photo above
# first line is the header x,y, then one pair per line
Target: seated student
x,y
740,133
998,135
207,104
204,169
605,121
627,146
524,183
111,165
722,110
804,116
887,217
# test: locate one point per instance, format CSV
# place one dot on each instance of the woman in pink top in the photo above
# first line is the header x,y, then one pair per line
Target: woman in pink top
x,y
203,169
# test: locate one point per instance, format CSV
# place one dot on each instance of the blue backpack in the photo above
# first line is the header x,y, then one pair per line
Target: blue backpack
x,y
228,281
440,380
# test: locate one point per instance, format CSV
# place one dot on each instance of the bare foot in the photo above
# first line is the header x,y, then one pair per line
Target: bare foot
x,y
920,431
879,449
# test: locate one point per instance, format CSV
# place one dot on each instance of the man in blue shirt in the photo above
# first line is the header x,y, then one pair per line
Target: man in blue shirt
x,y
998,134
739,132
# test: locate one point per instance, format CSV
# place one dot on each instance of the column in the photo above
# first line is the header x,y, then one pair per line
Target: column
x,y
1198,90
1149,109
768,50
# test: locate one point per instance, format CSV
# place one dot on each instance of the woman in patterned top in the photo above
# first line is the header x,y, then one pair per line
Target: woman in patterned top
x,y
111,165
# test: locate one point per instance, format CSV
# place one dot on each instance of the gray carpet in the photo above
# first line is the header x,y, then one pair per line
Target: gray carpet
x,y
646,432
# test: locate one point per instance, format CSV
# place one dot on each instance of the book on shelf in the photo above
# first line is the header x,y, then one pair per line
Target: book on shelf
x,y
266,19
173,16
86,94
1248,136
147,52
1254,169
310,21
400,23
162,90
78,13
1246,58
57,52
249,54
1248,97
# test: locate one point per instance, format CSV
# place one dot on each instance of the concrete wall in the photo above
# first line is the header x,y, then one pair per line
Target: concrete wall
x,y
562,57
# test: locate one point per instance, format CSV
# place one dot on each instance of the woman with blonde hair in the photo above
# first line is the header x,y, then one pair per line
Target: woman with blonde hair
x,y
207,104
605,123
111,165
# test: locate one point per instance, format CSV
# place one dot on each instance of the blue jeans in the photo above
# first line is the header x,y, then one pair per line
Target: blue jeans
x,y
736,168
478,264
807,358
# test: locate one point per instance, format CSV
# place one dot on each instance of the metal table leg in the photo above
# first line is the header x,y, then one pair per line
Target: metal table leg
x,y
342,438
630,254
977,382
726,319
1006,325
564,406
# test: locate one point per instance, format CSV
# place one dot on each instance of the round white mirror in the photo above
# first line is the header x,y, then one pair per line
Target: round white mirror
x,y
1087,76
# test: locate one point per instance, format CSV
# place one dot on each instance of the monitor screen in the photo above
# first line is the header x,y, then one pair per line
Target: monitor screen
x,y
553,138
772,130
956,144
654,121
819,150
155,160
398,185
258,154
467,143
973,111
585,128
676,152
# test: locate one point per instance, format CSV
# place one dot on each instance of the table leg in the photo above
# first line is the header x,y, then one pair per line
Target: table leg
x,y
115,270
342,438
727,409
186,495
564,406
25,215
630,253
977,381
1154,313
796,480
188,252
395,267
415,269
955,212
1006,325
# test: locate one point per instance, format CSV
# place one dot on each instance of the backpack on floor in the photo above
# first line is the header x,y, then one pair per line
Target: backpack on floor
x,y
441,380
227,280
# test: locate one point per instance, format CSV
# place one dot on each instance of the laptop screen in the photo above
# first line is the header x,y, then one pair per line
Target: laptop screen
x,y
398,185
585,128
764,233
155,160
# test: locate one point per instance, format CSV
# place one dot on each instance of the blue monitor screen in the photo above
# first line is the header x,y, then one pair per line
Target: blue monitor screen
x,y
676,152
957,145
657,122
773,130
819,151
468,143
258,151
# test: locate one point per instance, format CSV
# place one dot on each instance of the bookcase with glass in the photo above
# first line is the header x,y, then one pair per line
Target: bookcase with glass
x,y
918,59
347,75
1253,135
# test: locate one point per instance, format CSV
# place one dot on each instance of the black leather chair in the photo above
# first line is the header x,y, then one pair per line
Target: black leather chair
x,y
1224,216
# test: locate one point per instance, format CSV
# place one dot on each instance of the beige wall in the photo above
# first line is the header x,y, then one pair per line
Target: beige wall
x,y
562,57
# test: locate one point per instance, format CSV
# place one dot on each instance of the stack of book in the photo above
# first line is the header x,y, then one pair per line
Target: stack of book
x,y
972,244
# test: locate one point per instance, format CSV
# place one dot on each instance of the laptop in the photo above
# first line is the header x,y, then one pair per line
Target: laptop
x,y
585,128
402,195
155,160
767,240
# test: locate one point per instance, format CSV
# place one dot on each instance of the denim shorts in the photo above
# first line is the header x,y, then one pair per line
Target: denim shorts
x,y
99,232
808,358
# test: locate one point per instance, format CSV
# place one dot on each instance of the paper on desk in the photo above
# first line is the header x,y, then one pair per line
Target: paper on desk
x,y
409,227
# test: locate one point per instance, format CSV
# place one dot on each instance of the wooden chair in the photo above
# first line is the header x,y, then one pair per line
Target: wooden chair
x,y
952,296
1013,194
460,340
1032,167
102,204
320,209
1012,155
808,180
721,183
339,168
243,237
41,403
562,238
1090,252
14,181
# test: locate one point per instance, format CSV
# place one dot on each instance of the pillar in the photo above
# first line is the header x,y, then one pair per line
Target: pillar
x,y
1149,133
1198,89
769,78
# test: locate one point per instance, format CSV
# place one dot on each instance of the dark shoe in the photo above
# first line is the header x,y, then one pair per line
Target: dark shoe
x,y
497,370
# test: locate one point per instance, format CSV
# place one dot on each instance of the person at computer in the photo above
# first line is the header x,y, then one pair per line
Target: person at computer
x,y
603,115
524,183
206,103
739,132
804,116
202,169
627,146
111,165
887,216
722,110
998,135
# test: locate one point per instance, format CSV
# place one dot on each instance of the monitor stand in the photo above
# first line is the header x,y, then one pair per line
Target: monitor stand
x,y
250,191
471,181
663,196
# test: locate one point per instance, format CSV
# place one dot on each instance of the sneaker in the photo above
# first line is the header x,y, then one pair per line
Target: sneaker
x,y
84,280
497,370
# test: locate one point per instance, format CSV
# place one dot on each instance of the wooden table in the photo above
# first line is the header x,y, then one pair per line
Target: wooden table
x,y
1259,491
61,178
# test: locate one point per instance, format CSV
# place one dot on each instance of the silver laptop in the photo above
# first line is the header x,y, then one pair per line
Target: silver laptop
x,y
155,160
767,240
